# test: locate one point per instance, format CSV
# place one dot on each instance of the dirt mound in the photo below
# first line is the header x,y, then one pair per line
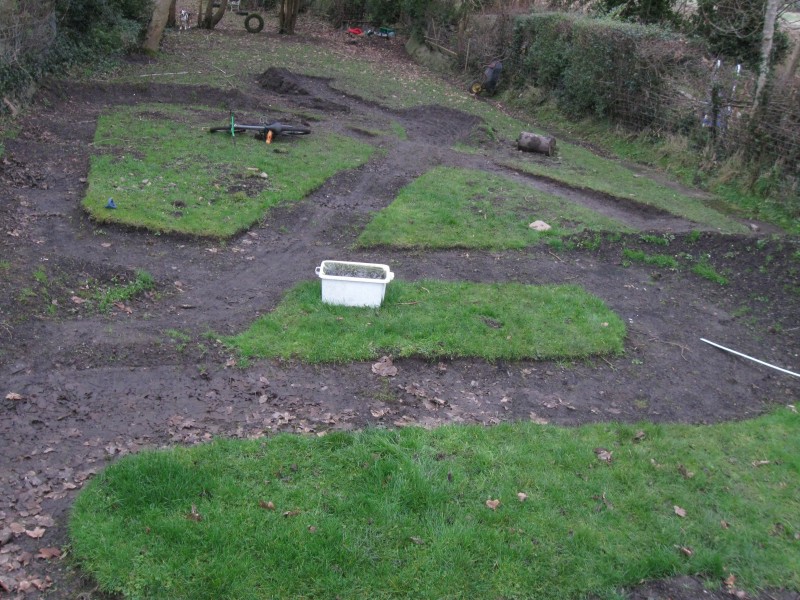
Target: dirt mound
x,y
437,123
282,81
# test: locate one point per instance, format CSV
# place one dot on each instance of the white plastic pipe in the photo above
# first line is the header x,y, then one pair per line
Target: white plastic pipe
x,y
761,362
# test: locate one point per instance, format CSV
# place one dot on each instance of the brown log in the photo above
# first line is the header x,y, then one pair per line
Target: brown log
x,y
531,142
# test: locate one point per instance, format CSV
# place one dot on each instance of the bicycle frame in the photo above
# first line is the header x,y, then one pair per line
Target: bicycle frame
x,y
269,130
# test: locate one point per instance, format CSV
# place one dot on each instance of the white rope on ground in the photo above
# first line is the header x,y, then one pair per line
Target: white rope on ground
x,y
761,362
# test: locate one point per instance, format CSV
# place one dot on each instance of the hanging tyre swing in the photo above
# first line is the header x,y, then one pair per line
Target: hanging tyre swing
x,y
254,23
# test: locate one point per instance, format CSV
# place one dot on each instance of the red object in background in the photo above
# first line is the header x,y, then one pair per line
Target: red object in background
x,y
355,31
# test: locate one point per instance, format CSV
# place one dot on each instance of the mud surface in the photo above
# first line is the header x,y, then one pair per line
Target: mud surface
x,y
88,387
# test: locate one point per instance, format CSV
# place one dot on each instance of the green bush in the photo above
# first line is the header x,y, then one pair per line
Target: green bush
x,y
412,14
86,31
595,66
734,29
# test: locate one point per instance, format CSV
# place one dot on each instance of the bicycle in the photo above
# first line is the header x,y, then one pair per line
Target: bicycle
x,y
268,130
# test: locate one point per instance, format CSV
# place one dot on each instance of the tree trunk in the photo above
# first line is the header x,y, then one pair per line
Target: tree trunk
x,y
531,142
770,16
155,29
223,6
172,20
287,17
211,17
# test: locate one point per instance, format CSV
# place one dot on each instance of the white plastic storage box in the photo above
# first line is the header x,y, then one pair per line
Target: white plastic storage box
x,y
353,283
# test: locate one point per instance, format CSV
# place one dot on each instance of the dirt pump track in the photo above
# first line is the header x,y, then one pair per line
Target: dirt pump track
x,y
94,387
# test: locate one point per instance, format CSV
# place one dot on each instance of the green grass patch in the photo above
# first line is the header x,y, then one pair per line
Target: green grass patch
x,y
167,173
659,260
705,270
449,207
107,297
581,168
657,240
402,514
434,319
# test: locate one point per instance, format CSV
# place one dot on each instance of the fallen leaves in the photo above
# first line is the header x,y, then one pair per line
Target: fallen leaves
x,y
730,581
194,515
603,503
39,584
291,513
48,553
266,505
603,454
730,587
537,419
761,463
522,496
686,551
493,504
14,397
679,511
384,367
685,473
35,533
417,540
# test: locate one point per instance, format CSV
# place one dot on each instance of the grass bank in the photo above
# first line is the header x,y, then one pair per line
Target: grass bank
x,y
167,173
516,511
434,319
462,208
215,59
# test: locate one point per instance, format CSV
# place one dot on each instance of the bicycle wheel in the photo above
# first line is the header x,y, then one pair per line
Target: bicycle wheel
x,y
259,25
284,129
227,129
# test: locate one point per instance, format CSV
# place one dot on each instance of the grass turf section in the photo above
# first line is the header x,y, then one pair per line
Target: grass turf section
x,y
403,514
448,207
167,173
382,83
580,168
435,319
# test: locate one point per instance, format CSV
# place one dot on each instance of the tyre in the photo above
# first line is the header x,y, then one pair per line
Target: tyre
x,y
292,130
284,129
227,129
254,27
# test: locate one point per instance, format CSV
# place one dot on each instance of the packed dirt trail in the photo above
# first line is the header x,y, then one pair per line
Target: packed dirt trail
x,y
80,389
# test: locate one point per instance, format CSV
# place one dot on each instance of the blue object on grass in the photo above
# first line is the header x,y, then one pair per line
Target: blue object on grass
x,y
111,203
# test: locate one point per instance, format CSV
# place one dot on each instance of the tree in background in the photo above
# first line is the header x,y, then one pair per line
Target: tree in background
x,y
735,28
208,18
155,28
644,11
287,16
770,17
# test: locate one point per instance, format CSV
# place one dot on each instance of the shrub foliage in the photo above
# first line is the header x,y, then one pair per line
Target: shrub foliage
x,y
591,63
67,32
